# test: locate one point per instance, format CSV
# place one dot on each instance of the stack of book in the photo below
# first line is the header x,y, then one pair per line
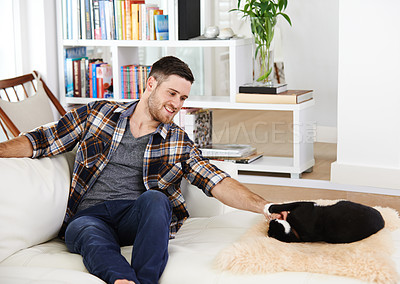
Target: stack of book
x,y
86,78
133,80
238,153
113,20
277,94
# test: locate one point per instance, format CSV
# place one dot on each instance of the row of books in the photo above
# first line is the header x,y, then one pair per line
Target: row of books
x,y
86,78
133,80
113,20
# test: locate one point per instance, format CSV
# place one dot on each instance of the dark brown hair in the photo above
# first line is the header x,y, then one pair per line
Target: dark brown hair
x,y
170,65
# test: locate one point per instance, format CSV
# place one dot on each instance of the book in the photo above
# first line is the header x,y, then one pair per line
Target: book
x,y
88,18
70,71
76,20
96,19
249,159
103,25
76,76
241,160
202,127
92,62
94,79
288,97
109,15
135,21
150,20
188,19
254,89
152,28
161,27
227,150
104,80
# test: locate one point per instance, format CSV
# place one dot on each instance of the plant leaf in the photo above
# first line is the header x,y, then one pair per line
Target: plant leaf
x,y
265,76
286,17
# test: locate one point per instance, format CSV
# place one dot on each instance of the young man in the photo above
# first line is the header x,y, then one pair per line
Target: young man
x,y
125,186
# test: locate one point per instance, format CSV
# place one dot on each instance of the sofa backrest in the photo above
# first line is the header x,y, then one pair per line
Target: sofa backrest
x,y
199,204
34,194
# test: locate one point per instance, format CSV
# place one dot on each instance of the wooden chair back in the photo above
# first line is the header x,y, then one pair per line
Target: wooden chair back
x,y
18,89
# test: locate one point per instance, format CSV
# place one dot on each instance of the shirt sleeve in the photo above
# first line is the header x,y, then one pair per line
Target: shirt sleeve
x,y
58,137
201,173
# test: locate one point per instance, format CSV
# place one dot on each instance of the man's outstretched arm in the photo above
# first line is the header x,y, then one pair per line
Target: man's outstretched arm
x,y
19,147
232,193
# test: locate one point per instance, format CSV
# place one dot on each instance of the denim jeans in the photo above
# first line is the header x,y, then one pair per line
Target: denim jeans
x,y
98,232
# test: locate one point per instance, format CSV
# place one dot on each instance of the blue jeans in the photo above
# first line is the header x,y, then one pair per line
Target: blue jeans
x,y
97,233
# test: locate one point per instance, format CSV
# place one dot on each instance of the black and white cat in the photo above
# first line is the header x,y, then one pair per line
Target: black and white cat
x,y
343,222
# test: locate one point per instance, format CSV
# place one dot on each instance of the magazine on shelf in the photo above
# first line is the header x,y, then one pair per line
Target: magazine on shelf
x,y
227,150
240,160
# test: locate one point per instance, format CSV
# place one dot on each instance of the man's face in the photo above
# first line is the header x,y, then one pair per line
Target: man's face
x,y
166,100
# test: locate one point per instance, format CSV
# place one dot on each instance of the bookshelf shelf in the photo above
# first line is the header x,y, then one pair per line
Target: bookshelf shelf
x,y
159,43
235,57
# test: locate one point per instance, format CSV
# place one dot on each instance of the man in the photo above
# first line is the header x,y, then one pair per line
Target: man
x,y
125,186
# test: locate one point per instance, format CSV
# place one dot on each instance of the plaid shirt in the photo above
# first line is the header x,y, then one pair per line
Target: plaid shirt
x,y
98,128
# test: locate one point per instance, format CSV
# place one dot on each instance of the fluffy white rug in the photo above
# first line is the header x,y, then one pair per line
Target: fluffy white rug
x,y
368,260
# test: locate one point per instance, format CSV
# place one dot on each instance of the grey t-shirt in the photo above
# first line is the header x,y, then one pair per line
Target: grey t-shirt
x,y
122,178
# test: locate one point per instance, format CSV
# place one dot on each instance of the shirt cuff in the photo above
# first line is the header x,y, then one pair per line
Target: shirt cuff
x,y
35,153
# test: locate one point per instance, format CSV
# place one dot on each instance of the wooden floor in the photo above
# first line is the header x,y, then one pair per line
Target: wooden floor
x,y
325,154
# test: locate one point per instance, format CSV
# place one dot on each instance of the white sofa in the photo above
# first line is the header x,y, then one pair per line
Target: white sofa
x,y
32,205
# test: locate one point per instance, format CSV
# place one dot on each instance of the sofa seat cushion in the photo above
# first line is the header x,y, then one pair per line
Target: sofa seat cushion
x,y
52,254
35,275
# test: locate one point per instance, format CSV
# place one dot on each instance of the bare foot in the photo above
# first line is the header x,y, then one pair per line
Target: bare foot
x,y
123,281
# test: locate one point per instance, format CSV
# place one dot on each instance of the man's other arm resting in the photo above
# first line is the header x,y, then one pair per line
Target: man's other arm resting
x,y
232,193
19,147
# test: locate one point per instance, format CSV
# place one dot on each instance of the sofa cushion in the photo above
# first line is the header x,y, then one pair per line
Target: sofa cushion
x,y
44,275
201,205
34,194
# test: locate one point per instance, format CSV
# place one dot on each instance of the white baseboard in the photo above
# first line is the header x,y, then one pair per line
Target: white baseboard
x,y
326,134
317,184
365,176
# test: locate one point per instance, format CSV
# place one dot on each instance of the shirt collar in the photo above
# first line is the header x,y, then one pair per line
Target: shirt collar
x,y
126,110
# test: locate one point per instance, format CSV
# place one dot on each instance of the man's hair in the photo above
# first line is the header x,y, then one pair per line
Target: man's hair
x,y
170,65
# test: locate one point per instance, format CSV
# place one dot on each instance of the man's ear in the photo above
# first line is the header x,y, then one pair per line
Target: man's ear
x,y
151,83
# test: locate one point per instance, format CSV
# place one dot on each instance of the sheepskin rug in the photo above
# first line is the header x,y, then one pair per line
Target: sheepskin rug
x,y
368,260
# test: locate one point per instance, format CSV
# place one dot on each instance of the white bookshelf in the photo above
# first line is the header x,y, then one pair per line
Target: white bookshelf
x,y
237,54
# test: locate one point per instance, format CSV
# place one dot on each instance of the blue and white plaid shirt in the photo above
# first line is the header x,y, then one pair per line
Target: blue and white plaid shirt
x,y
98,128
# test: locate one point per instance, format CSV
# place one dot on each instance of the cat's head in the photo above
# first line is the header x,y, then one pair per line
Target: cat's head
x,y
281,230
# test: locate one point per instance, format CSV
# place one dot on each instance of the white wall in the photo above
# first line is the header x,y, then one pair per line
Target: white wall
x,y
310,50
310,55
368,95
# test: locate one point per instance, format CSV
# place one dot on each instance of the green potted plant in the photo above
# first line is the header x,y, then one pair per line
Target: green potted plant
x,y
263,16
